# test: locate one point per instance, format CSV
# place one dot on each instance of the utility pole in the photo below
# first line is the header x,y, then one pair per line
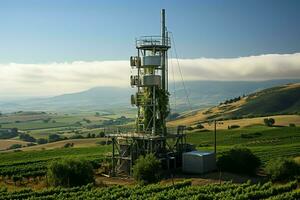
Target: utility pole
x,y
215,122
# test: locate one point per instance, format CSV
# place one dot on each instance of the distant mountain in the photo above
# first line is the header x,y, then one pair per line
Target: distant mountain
x,y
204,94
98,98
284,99
201,94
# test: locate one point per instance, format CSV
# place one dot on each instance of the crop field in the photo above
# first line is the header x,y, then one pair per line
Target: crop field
x,y
41,124
4,144
280,120
77,143
31,162
34,163
181,190
266,142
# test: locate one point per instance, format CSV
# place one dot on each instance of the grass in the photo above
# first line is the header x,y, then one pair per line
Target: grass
x,y
28,156
78,143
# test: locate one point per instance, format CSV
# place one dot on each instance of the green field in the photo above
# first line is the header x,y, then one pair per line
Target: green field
x,y
182,190
34,163
266,142
41,124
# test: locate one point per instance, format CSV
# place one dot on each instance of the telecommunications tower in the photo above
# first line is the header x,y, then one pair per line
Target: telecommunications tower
x,y
150,79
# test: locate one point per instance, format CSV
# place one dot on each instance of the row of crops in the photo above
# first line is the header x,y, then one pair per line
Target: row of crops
x,y
183,190
37,168
34,163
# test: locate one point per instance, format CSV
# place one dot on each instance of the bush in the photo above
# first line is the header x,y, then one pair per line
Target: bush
x,y
199,126
26,137
54,138
31,144
233,126
292,125
239,160
146,169
282,169
15,146
269,121
101,134
70,173
67,145
42,141
189,128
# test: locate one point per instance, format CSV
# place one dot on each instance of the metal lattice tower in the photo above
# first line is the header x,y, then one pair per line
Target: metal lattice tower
x,y
151,80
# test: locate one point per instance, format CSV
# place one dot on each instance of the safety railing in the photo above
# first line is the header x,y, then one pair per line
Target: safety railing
x,y
153,41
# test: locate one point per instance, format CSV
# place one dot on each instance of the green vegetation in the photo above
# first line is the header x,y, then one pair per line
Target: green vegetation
x,y
70,173
34,163
182,190
26,137
269,121
146,169
282,169
233,126
277,100
15,146
238,160
265,142
8,133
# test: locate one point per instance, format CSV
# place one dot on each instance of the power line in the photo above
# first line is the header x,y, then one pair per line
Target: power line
x,y
174,83
179,68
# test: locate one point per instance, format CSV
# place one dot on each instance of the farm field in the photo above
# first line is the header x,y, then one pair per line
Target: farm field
x,y
266,142
77,143
41,124
4,144
181,190
31,164
280,120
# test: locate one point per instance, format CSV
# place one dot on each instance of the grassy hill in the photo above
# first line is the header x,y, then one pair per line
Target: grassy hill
x,y
278,100
202,94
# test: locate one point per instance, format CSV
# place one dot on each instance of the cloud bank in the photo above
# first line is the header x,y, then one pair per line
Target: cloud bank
x,y
49,79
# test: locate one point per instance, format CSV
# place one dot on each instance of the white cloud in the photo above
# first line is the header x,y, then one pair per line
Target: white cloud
x,y
57,78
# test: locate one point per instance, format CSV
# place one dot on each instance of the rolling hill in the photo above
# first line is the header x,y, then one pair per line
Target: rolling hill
x,y
277,100
202,94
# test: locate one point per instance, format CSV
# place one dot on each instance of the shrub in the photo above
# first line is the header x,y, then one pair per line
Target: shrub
x,y
199,126
15,146
282,169
146,169
239,160
292,125
189,128
26,137
54,138
42,141
67,145
269,121
233,126
101,134
70,173
31,144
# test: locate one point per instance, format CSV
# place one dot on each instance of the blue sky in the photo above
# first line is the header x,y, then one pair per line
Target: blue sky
x,y
35,31
52,47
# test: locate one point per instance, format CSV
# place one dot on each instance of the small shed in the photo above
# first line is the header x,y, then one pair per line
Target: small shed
x,y
198,162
